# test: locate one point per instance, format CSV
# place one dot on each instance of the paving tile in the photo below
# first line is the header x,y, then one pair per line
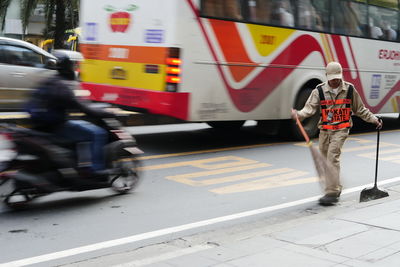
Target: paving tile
x,y
316,252
363,243
320,232
159,264
390,221
378,255
370,210
395,246
282,258
391,261
359,263
192,260
222,254
255,244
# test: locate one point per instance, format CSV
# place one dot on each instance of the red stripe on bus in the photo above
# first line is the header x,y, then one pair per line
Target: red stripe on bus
x,y
174,104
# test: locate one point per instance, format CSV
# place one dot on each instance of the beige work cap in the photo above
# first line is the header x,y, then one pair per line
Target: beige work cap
x,y
334,71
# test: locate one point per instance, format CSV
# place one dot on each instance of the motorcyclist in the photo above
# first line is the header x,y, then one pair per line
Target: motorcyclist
x,y
49,106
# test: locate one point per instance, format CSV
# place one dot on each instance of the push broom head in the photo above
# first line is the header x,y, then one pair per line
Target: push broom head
x,y
373,193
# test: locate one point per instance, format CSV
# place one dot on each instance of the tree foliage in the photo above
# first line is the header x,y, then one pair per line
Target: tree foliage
x,y
59,16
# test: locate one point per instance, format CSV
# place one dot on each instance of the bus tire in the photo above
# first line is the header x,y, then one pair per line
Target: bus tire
x,y
226,125
310,124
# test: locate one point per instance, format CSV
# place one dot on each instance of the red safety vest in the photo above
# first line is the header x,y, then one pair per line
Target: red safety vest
x,y
335,118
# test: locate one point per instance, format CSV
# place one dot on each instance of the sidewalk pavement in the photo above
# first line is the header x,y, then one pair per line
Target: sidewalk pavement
x,y
348,234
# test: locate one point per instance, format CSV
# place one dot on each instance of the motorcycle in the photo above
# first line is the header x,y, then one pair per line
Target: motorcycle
x,y
39,164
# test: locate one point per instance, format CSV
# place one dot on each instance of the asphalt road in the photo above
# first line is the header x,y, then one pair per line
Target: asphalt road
x,y
191,174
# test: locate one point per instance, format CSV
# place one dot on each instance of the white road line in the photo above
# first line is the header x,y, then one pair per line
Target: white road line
x,y
176,229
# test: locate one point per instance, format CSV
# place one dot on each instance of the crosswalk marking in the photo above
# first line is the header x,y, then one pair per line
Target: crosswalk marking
x,y
390,158
360,148
209,163
186,180
253,180
267,183
372,155
359,140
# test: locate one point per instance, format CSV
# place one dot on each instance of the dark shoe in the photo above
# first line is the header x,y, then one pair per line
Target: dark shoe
x,y
329,200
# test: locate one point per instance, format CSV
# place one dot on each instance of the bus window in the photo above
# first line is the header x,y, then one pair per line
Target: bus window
x,y
227,9
375,22
282,13
232,9
322,9
357,21
259,11
345,18
309,17
387,21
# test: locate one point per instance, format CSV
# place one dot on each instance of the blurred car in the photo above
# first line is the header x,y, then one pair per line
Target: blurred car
x,y
22,66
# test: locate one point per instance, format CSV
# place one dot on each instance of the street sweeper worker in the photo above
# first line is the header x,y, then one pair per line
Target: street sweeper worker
x,y
336,100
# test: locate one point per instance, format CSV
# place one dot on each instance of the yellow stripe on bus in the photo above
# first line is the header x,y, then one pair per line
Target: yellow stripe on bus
x,y
268,39
325,43
124,74
394,104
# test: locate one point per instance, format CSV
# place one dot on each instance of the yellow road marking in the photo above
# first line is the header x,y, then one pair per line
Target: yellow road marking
x,y
186,179
234,148
267,183
207,151
359,148
373,154
205,163
302,144
392,158
221,171
359,140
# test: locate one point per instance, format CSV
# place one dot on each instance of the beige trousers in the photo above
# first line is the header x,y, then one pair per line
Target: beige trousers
x,y
330,145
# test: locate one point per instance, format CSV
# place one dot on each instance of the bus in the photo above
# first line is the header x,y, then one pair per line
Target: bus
x,y
227,61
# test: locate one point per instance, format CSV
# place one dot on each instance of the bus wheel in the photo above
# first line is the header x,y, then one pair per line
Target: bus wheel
x,y
310,124
226,125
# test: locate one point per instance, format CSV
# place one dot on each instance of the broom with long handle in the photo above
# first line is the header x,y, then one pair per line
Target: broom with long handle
x,y
322,166
374,193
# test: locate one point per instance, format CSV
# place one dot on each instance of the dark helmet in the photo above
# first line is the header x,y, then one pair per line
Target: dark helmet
x,y
66,68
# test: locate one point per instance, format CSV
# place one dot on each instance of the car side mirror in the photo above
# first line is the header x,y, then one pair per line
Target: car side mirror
x,y
51,64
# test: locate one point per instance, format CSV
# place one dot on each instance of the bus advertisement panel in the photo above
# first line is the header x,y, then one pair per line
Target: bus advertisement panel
x,y
230,61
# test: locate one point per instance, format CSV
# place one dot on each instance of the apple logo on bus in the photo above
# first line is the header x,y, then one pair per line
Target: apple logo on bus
x,y
120,19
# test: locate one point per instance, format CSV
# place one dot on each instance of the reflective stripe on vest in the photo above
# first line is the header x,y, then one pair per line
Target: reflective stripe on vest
x,y
336,102
339,116
336,126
